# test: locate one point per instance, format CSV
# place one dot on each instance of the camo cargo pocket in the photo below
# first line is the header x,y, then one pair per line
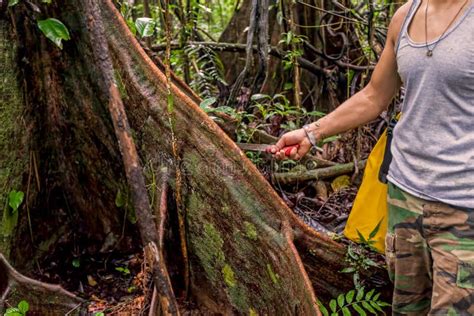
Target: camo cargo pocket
x,y
390,254
465,275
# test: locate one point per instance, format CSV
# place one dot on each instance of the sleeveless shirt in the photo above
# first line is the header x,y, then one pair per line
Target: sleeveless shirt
x,y
433,143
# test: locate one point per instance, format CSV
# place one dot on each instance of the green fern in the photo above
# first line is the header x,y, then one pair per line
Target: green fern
x,y
210,70
355,301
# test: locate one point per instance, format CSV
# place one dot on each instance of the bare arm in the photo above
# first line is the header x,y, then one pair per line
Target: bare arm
x,y
361,108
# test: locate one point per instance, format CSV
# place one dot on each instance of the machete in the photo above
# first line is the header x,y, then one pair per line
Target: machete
x,y
264,147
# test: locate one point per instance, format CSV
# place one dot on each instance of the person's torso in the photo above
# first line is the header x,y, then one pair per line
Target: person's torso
x,y
433,144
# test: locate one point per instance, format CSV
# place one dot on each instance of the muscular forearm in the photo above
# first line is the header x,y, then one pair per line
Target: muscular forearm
x,y
361,108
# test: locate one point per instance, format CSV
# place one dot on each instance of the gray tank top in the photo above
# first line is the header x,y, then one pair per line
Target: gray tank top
x,y
433,143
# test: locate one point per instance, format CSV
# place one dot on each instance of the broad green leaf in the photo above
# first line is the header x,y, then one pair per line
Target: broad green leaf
x,y
359,310
55,31
47,1
132,27
322,308
23,307
207,102
368,307
12,3
15,198
259,96
145,26
340,300
333,305
350,296
345,311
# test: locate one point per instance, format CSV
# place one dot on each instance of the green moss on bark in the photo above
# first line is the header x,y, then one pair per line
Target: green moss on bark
x,y
250,231
13,159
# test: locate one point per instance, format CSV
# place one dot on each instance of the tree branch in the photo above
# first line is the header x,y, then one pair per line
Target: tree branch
x,y
233,47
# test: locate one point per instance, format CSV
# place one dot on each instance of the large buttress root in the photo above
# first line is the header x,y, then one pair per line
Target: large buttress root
x,y
240,260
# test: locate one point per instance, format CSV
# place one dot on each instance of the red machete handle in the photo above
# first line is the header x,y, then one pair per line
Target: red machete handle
x,y
286,149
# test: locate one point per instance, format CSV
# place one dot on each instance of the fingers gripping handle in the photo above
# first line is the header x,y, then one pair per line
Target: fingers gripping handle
x,y
287,150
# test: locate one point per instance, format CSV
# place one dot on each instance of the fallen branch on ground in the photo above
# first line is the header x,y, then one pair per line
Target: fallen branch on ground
x,y
317,174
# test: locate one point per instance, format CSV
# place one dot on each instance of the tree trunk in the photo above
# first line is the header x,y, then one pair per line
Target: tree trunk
x,y
247,251
14,154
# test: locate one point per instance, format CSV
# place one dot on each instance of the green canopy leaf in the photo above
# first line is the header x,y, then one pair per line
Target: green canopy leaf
x,y
54,30
145,26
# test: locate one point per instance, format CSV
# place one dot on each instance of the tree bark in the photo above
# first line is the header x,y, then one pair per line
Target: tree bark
x,y
14,151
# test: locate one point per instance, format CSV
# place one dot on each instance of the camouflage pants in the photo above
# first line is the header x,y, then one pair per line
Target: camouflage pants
x,y
430,256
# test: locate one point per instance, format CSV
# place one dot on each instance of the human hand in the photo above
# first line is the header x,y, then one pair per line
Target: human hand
x,y
293,145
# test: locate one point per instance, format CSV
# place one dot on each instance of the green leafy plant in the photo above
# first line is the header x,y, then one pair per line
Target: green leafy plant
x,y
15,198
20,310
208,69
55,31
255,157
145,27
369,242
268,107
294,42
355,301
358,257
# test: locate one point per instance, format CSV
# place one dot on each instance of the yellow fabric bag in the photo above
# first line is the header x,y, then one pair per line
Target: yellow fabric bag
x,y
370,205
